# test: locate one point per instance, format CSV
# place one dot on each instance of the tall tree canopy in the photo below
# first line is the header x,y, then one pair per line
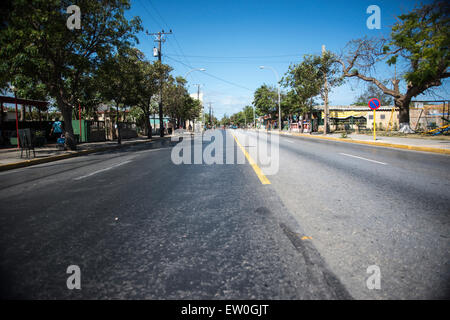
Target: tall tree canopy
x,y
37,43
266,100
306,81
419,44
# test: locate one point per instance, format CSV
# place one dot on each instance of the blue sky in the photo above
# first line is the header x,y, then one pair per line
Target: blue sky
x,y
231,39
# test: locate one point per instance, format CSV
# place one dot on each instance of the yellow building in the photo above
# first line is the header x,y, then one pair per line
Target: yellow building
x,y
422,117
359,117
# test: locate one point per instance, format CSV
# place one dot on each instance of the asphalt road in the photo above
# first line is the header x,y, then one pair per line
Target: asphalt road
x,y
364,206
141,227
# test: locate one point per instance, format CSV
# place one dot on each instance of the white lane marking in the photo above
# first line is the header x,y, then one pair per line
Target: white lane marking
x,y
349,155
151,150
290,141
106,169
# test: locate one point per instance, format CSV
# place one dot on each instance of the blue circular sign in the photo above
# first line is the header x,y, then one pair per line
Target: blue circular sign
x,y
374,103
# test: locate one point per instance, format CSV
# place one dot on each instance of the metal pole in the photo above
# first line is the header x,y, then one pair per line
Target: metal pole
x,y
325,108
161,120
17,122
374,126
79,117
279,108
198,87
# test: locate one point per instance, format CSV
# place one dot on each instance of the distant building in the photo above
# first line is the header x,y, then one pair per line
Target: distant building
x,y
421,116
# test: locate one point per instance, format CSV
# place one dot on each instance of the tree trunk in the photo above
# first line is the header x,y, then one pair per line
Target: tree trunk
x,y
403,106
148,125
22,113
119,138
66,112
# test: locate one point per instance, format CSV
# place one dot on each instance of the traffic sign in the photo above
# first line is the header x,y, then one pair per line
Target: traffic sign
x,y
374,103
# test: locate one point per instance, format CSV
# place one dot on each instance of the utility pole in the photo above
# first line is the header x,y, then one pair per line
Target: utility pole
x,y
157,53
198,90
198,98
210,115
325,100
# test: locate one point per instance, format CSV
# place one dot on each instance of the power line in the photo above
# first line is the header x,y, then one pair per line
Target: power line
x,y
255,62
159,22
213,76
242,57
175,37
150,14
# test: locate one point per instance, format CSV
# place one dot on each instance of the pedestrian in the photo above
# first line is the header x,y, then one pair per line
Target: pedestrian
x,y
56,129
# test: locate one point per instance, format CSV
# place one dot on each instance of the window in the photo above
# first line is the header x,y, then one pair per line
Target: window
x,y
370,117
383,116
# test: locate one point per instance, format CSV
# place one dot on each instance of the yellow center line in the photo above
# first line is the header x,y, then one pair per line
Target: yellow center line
x,y
255,166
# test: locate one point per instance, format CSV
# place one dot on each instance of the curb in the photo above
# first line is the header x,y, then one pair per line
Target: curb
x,y
379,144
72,154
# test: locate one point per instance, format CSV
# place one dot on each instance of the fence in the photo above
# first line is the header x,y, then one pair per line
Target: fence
x,y
91,131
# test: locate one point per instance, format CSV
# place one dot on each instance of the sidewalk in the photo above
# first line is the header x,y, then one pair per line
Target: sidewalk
x,y
428,145
10,158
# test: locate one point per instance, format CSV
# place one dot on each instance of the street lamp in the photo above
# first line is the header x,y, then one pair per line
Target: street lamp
x,y
192,70
185,76
14,89
279,99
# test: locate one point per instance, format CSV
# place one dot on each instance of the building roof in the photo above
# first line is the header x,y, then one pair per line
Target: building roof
x,y
26,102
353,108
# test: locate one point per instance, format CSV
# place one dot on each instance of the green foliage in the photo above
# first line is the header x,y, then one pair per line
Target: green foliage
x,y
118,76
266,100
241,118
225,121
37,44
306,81
423,37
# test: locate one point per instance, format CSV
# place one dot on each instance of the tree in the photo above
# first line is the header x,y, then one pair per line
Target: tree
x,y
29,88
37,43
247,112
178,103
420,42
151,77
225,121
211,120
193,108
373,91
266,101
306,81
119,78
